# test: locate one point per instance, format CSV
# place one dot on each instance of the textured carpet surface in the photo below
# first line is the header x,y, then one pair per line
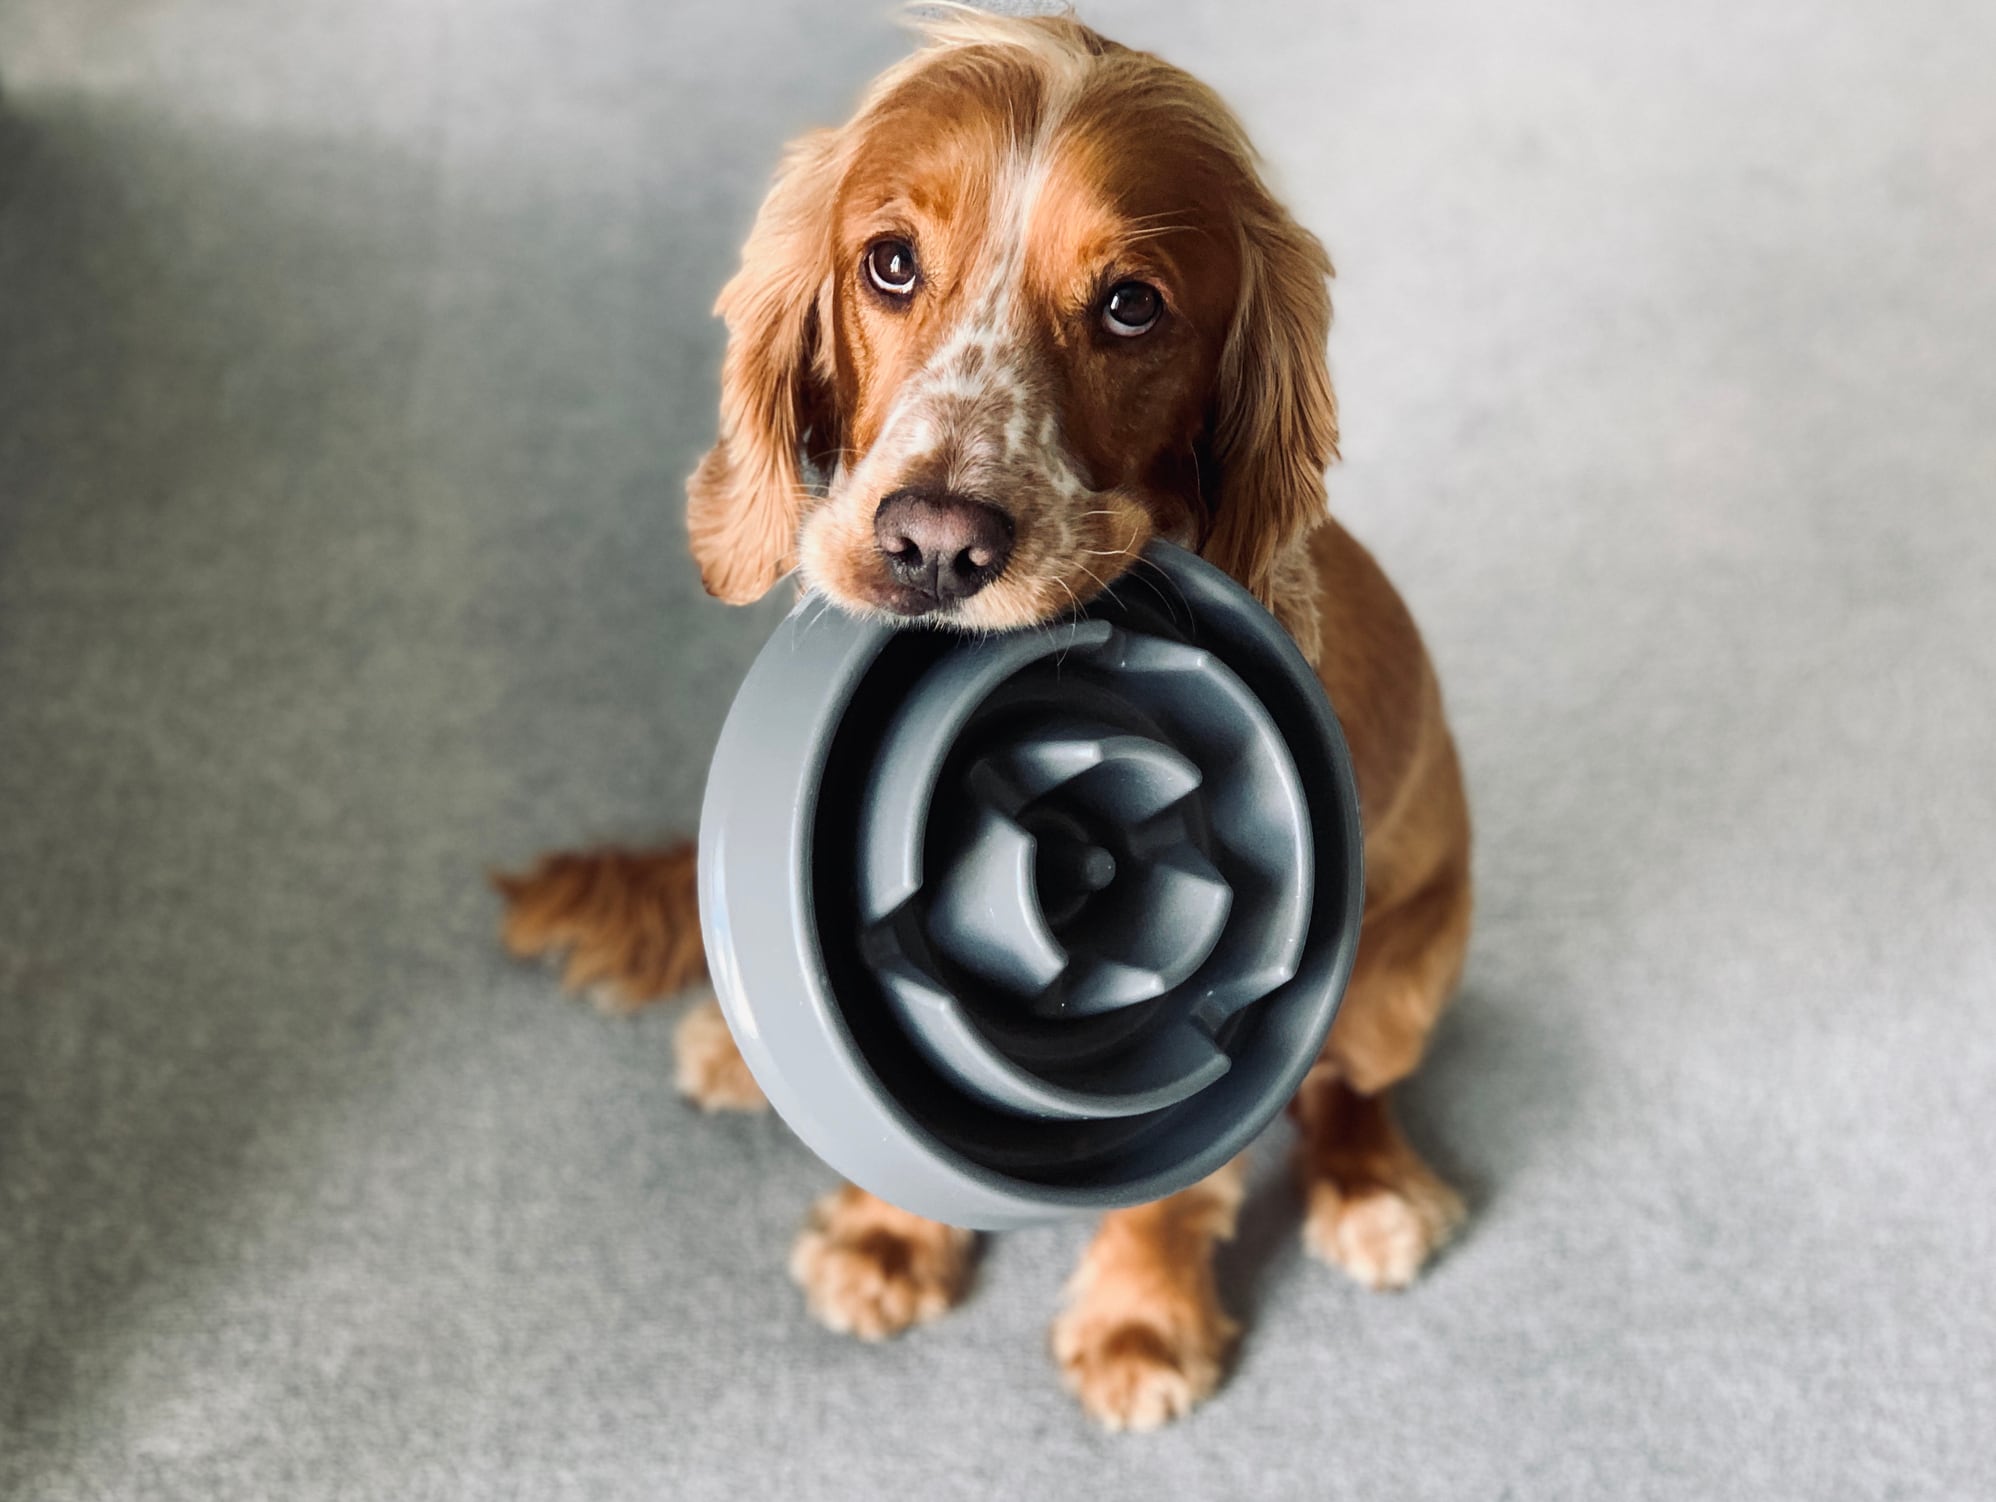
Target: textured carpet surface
x,y
351,355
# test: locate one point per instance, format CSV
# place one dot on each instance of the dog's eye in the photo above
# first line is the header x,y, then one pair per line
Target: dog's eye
x,y
1132,308
890,266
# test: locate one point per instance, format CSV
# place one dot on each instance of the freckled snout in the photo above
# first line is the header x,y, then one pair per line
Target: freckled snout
x,y
939,548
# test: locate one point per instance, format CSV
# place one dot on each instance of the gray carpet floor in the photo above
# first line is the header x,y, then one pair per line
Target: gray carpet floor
x,y
351,356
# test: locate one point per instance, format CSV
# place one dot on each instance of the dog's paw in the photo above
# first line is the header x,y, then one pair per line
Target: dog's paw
x,y
1139,1373
871,1270
707,1067
1383,1235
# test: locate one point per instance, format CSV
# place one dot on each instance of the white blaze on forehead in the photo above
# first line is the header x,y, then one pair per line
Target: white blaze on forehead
x,y
974,398
981,416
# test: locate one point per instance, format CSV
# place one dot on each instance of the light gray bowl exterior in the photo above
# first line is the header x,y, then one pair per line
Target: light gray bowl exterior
x,y
760,918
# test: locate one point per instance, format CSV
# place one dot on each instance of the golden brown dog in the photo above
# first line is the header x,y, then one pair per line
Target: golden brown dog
x,y
1031,307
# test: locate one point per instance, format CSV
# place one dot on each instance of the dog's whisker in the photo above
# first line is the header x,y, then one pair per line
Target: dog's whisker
x,y
1075,604
1141,562
1132,237
1100,583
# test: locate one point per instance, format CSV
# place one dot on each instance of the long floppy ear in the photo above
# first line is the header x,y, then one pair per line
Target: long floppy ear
x,y
743,502
1274,428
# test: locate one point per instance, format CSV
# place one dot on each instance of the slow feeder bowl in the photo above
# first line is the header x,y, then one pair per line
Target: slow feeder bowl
x,y
1038,924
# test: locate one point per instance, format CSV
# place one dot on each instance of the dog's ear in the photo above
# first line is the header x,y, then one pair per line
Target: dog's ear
x,y
744,500
1273,429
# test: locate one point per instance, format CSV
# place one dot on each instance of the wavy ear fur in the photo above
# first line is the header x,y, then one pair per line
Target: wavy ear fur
x,y
744,501
1274,427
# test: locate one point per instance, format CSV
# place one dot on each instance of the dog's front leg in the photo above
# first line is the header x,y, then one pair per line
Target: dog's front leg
x,y
1143,1337
871,1269
1374,1208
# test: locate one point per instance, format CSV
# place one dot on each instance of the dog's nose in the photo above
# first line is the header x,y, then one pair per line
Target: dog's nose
x,y
941,548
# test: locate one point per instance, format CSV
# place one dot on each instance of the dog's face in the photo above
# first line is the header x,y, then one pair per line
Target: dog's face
x,y
1028,326
1029,309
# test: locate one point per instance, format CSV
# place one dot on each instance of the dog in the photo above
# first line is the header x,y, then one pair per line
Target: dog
x,y
1031,307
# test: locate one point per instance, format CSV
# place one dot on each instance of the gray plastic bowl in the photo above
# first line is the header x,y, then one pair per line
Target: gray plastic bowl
x,y
1038,924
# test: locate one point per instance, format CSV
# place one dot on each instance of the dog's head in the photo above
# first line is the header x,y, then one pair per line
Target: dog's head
x,y
1029,308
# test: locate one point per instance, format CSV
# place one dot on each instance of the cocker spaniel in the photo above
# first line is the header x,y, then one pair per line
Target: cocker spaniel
x,y
1031,307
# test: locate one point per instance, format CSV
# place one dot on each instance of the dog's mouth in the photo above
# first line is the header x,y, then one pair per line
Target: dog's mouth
x,y
1012,601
